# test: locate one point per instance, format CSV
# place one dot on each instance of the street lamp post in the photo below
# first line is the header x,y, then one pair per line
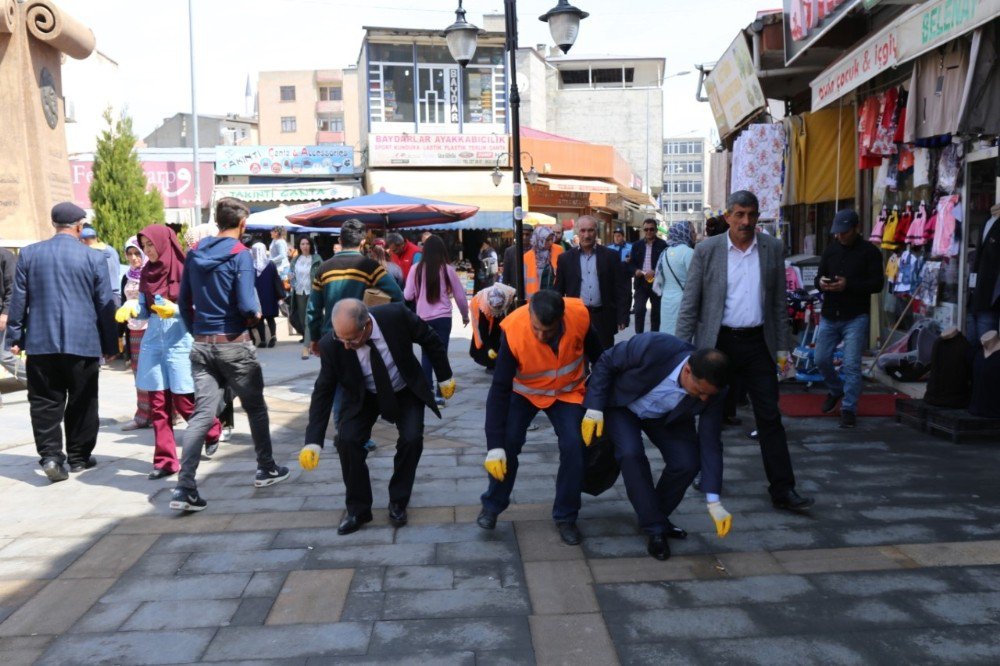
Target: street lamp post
x,y
531,176
564,25
196,218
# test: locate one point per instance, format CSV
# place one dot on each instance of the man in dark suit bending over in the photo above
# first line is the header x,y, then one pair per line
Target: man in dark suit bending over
x,y
369,354
656,384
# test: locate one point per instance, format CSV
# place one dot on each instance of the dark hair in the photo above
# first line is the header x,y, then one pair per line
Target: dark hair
x,y
743,198
229,212
649,220
394,239
435,255
715,226
352,232
548,306
710,365
312,246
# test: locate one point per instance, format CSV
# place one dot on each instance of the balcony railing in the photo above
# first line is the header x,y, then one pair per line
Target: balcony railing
x,y
332,106
329,137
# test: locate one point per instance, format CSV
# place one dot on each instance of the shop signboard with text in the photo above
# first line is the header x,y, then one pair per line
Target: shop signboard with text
x,y
436,150
808,20
326,160
174,180
876,55
734,92
935,23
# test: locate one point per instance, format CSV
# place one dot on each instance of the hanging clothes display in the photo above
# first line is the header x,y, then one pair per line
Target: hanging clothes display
x,y
903,228
885,131
921,167
868,118
879,228
944,233
889,232
758,164
795,160
949,168
950,381
937,88
981,110
892,271
915,234
830,137
718,180
927,282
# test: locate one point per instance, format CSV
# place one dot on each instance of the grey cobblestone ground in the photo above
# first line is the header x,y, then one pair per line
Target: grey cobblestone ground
x,y
898,563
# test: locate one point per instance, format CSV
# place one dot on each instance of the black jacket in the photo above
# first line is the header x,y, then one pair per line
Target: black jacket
x,y
610,279
861,265
7,263
638,257
341,370
986,294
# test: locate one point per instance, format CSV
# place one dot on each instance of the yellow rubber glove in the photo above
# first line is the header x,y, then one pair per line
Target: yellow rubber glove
x,y
166,309
723,519
128,310
309,456
447,388
496,463
492,354
593,424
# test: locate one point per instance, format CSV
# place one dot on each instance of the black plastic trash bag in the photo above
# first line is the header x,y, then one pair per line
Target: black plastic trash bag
x,y
600,469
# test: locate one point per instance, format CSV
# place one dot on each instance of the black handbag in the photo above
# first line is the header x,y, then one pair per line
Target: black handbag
x,y
600,468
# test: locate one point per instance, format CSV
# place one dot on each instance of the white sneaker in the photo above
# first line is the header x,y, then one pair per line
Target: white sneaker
x,y
225,435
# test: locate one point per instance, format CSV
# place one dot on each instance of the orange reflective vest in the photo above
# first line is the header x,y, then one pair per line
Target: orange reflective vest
x,y
531,269
542,377
476,313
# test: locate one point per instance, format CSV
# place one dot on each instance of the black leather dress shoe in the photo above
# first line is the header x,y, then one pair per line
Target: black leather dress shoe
x,y
569,533
732,420
160,473
674,532
81,465
397,514
792,501
830,403
657,546
353,523
487,520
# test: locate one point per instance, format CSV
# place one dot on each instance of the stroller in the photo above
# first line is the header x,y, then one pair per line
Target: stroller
x,y
805,308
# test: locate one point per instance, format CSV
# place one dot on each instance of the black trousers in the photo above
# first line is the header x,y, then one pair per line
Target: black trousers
x,y
356,430
63,387
605,322
752,366
644,293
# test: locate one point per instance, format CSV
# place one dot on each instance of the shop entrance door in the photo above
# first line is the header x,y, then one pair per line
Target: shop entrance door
x,y
980,195
437,94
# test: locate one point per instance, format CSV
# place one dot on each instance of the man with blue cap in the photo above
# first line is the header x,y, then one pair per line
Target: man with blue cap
x,y
850,271
63,315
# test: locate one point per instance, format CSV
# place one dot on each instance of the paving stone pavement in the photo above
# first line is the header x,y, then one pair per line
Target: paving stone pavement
x,y
899,562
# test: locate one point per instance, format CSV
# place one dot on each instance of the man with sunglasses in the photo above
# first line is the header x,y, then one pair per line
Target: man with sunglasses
x,y
368,356
642,261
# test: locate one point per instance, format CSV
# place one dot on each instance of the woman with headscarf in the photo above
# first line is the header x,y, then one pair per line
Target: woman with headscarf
x,y
671,273
135,328
270,291
279,251
304,269
540,261
488,309
164,356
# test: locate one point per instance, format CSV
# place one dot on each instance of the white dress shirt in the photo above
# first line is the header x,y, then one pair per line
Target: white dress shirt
x,y
590,287
663,398
364,357
744,306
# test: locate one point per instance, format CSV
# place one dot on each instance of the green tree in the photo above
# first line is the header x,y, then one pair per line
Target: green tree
x,y
118,192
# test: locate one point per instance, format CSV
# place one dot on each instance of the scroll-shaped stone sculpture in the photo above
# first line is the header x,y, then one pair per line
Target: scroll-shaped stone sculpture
x,y
34,169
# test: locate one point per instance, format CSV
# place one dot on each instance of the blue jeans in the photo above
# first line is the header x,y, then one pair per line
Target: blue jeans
x,y
854,334
978,323
441,326
565,418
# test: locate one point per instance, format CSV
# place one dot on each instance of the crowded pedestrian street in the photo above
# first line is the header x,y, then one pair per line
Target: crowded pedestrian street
x,y
899,563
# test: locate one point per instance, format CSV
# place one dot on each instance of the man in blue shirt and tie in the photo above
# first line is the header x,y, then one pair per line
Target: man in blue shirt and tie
x,y
656,384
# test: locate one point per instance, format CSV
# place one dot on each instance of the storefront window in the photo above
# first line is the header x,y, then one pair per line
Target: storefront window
x,y
390,93
434,54
483,88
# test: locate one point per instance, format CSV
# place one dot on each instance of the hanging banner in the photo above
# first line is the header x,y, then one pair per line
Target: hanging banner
x,y
873,57
941,21
808,20
437,150
284,160
734,92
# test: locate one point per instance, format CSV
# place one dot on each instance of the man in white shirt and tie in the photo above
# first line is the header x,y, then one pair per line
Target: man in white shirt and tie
x,y
734,301
369,356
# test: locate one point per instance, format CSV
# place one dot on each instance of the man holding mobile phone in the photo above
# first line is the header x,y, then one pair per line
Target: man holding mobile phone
x,y
850,271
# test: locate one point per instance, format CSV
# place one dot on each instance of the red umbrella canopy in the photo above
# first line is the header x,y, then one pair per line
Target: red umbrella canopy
x,y
385,210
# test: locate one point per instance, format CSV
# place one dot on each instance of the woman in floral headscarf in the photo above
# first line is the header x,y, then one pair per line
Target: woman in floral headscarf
x,y
270,292
671,273
488,308
135,329
164,357
540,261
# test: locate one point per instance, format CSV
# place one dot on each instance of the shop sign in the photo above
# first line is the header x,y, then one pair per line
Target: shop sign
x,y
873,57
540,196
935,23
805,21
436,150
174,180
284,160
870,4
734,93
258,193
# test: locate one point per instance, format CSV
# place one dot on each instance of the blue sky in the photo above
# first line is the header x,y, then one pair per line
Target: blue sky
x,y
236,38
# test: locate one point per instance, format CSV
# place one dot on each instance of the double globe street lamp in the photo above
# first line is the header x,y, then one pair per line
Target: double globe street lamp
x,y
564,25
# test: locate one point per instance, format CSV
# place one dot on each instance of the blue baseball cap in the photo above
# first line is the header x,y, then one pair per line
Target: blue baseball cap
x,y
843,221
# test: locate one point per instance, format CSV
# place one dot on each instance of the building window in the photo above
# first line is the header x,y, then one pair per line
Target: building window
x,y
288,124
331,93
483,89
329,122
683,186
606,77
684,148
673,167
287,93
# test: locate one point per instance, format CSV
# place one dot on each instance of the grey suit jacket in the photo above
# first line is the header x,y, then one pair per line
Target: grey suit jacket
x,y
700,317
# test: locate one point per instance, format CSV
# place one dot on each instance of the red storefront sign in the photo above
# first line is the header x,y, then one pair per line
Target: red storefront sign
x,y
174,180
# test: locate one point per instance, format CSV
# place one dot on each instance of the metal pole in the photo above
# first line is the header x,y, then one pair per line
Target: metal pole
x,y
196,219
514,99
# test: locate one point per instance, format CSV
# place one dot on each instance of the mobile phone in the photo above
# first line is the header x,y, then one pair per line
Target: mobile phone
x,y
826,280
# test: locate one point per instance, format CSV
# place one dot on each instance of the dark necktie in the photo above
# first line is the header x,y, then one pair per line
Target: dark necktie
x,y
387,404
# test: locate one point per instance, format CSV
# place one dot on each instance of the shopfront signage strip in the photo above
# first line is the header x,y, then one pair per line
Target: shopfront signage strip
x,y
436,150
